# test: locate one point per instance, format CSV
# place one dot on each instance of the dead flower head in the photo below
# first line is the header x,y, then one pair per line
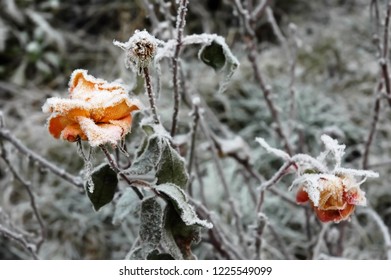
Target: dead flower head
x,y
333,198
140,49
96,111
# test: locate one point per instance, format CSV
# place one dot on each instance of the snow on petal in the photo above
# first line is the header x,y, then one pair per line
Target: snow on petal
x,y
100,134
94,106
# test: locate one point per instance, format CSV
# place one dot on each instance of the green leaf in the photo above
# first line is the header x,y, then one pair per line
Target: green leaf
x,y
178,198
177,236
149,158
105,183
171,168
151,218
213,55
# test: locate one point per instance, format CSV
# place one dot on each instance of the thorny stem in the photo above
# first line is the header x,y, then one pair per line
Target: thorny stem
x,y
151,96
118,171
74,180
182,9
21,240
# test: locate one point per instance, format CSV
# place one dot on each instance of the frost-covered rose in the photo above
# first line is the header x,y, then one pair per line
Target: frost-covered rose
x,y
332,197
96,111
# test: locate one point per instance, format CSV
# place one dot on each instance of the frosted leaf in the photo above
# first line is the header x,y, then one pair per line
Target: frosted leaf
x,y
279,153
105,184
127,203
151,219
149,158
180,202
171,168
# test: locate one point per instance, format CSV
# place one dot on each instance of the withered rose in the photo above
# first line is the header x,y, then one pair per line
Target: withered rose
x,y
96,111
334,199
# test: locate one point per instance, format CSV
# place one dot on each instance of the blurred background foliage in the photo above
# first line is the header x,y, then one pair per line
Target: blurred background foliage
x,y
42,42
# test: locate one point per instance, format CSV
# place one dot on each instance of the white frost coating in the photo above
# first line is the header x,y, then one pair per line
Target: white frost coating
x,y
187,211
98,135
235,145
279,153
167,50
356,172
140,50
332,146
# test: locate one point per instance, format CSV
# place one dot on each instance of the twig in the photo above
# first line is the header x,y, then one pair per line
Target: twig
x,y
383,229
21,240
259,10
384,59
266,94
278,33
317,248
280,242
118,171
151,96
74,180
192,144
180,24
219,240
375,120
219,168
27,186
151,14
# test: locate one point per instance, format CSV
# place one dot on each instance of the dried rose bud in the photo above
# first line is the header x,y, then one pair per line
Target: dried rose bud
x,y
140,50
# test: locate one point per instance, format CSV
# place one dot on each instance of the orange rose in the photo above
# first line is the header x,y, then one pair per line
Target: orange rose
x,y
96,110
334,199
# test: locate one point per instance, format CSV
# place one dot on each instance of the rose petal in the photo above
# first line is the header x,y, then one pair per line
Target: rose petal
x,y
301,196
67,107
73,132
125,124
334,215
82,83
100,134
57,124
